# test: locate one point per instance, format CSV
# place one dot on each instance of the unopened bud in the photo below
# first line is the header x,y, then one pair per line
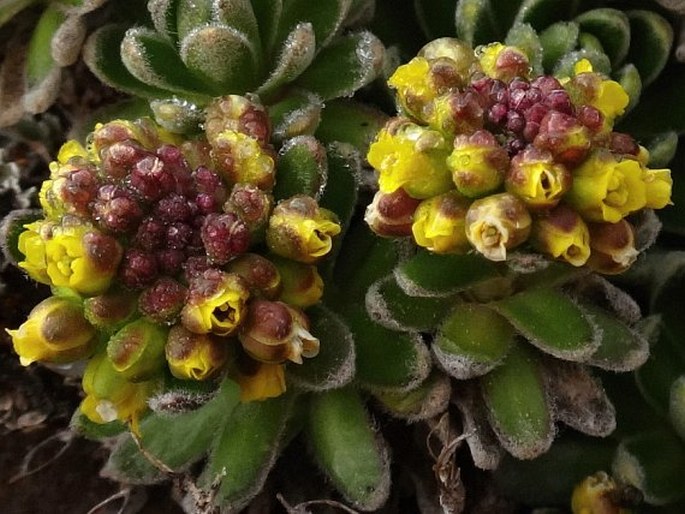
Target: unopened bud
x,y
456,113
233,112
477,163
252,206
110,311
562,234
391,214
300,230
537,179
275,332
497,223
240,158
612,247
597,494
439,223
55,331
194,356
224,236
162,301
260,380
136,351
503,62
302,286
565,137
260,275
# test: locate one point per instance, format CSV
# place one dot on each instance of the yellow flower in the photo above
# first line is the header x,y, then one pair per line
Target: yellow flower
x,y
55,331
503,62
263,381
300,230
32,244
302,286
413,85
537,179
137,350
391,214
597,494
71,149
411,157
81,258
612,247
563,235
477,163
143,130
241,159
497,223
658,184
607,189
216,303
194,356
110,397
590,88
439,223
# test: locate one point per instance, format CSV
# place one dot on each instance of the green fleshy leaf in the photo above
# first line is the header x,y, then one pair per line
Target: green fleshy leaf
x,y
475,22
654,462
600,62
39,61
350,122
334,365
542,13
344,66
175,441
348,449
472,341
390,306
427,401
268,14
223,56
164,14
662,149
302,168
177,116
514,393
589,42
11,228
238,14
326,18
296,54
246,449
525,38
340,193
652,39
101,54
552,322
191,14
154,60
10,8
558,40
95,431
429,274
551,478
296,114
630,81
436,17
386,359
676,406
611,27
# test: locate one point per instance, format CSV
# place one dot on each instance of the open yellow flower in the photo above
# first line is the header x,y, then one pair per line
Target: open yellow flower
x,y
590,88
55,331
659,185
216,303
241,159
413,85
411,157
562,234
31,243
537,179
477,163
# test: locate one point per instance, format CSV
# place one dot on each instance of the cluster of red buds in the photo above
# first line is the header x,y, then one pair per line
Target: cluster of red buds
x,y
486,156
170,256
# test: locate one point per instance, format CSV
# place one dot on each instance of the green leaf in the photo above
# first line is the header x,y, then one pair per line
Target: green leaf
x,y
192,14
295,114
101,54
334,365
542,13
390,306
177,115
429,274
436,17
238,14
268,15
600,62
223,56
427,401
326,18
662,149
676,406
175,441
652,39
611,27
340,193
302,168
352,122
630,81
347,64
524,37
475,23
551,321
517,403
621,348
295,55
557,40
164,14
10,8
154,60
386,359
654,462
11,227
246,449
348,449
95,431
472,341
39,61
589,42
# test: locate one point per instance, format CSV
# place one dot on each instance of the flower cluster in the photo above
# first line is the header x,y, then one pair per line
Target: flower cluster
x,y
486,156
170,257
